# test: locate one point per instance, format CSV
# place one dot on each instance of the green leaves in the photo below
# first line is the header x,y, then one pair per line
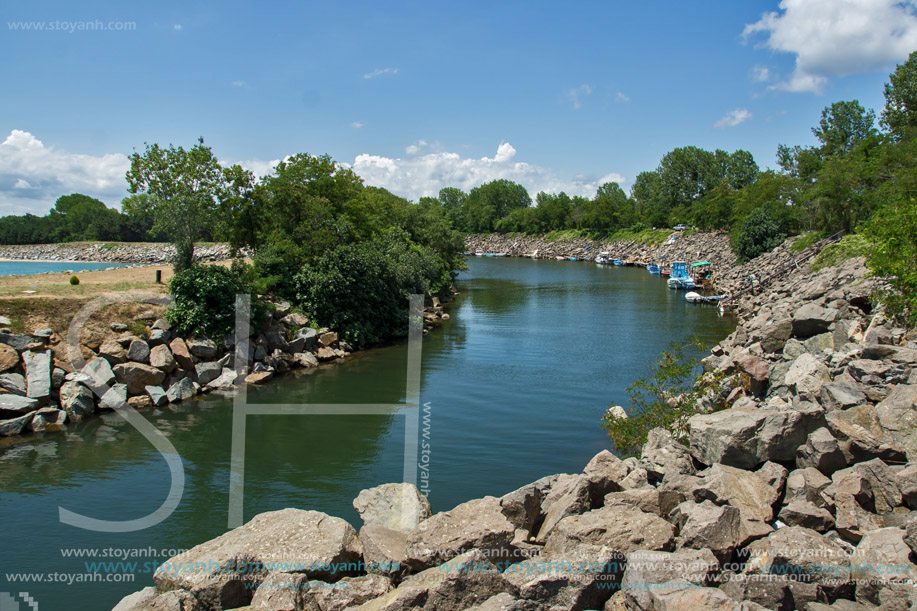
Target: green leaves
x,y
205,297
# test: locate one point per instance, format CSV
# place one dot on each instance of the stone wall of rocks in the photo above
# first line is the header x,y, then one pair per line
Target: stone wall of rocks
x,y
713,247
801,494
120,252
40,393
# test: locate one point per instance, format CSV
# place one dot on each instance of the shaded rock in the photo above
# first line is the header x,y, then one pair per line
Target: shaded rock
x,y
745,491
202,348
48,419
14,426
259,377
325,354
477,524
384,550
227,379
295,319
180,391
806,375
464,581
662,455
15,403
319,543
709,526
773,337
812,319
398,507
860,435
906,480
821,451
309,336
77,400
522,506
181,354
158,337
137,376
886,495
138,351
19,343
807,484
840,396
808,515
38,374
881,557
114,398
803,553
328,339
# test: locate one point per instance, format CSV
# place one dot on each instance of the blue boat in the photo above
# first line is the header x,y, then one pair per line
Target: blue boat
x,y
680,278
573,258
618,262
652,268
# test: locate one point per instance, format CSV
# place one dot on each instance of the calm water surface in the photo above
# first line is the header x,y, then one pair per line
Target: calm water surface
x,y
517,382
27,268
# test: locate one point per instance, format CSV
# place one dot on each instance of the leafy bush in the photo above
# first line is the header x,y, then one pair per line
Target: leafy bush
x,y
205,300
893,255
666,399
850,246
74,280
362,290
759,234
804,241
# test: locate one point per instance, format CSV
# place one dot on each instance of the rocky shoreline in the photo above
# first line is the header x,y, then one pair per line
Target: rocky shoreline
x,y
800,494
41,392
117,252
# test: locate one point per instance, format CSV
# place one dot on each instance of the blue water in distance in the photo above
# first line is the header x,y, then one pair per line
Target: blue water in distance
x,y
27,268
516,382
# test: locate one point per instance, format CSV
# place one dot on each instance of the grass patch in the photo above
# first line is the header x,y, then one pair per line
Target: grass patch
x,y
650,237
566,235
137,327
850,246
805,240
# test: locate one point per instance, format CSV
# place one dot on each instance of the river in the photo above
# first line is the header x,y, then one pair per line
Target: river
x,y
515,383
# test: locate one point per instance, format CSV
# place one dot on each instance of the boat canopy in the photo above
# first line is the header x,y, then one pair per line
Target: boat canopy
x,y
700,263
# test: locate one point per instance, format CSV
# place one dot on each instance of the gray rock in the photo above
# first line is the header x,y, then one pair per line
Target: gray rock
x,y
709,526
38,374
522,506
886,495
773,337
821,451
52,419
807,375
807,484
77,400
884,548
14,426
295,319
207,371
15,403
662,455
819,344
808,515
138,601
746,438
113,352
806,553
384,550
906,479
114,398
310,336
305,359
181,390
157,395
118,327
315,541
861,436
840,396
100,372
744,490
161,324
398,507
159,337
139,351
477,524
137,376
466,580
20,343
812,319
202,348
14,383
227,379
58,376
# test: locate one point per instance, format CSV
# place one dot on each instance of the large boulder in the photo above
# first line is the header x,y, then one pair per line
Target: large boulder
x,y
840,396
14,383
14,426
622,529
744,490
180,390
77,400
706,525
138,351
137,376
100,372
746,438
662,455
462,582
384,550
882,557
15,403
9,358
202,348
38,374
181,354
398,507
861,436
898,418
812,319
476,524
807,375
113,352
308,542
207,371
161,358
821,451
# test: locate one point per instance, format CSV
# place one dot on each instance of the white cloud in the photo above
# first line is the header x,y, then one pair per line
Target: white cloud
x,y
176,27
33,176
258,167
733,118
358,124
413,149
837,37
760,74
380,72
238,83
423,175
622,98
574,95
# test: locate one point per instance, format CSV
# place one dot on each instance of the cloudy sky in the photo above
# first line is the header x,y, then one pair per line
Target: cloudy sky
x,y
556,96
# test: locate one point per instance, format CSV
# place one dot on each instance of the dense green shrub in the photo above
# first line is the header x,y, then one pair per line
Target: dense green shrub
x,y
74,280
205,298
759,234
362,290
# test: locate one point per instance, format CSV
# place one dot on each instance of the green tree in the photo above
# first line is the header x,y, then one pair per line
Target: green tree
x,y
900,113
893,231
185,187
760,233
843,126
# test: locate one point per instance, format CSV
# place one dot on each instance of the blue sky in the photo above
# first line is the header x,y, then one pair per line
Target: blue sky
x,y
423,95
